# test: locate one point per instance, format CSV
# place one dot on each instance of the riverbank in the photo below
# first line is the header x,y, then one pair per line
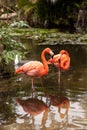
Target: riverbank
x,y
50,36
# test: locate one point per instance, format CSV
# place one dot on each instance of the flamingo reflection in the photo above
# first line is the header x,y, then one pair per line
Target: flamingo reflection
x,y
37,109
61,105
32,106
44,114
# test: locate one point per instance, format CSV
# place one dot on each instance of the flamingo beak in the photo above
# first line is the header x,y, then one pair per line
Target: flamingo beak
x,y
52,56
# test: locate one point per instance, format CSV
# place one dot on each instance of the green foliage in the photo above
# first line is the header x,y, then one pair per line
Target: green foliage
x,y
3,24
22,3
19,24
10,47
25,5
61,12
46,10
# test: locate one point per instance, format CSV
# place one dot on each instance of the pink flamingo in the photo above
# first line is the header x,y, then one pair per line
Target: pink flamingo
x,y
60,61
36,68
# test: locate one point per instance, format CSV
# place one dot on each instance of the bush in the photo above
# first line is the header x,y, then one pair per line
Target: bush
x,y
9,48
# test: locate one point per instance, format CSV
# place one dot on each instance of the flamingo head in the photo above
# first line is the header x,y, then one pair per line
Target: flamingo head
x,y
49,51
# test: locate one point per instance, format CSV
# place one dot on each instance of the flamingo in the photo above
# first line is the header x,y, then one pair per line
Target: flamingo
x,y
36,68
60,61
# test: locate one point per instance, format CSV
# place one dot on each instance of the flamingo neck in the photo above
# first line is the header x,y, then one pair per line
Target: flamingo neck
x,y
44,61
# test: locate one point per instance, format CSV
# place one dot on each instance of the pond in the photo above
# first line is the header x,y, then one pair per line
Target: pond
x,y
50,106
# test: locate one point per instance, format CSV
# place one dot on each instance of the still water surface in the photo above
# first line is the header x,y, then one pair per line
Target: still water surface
x,y
49,107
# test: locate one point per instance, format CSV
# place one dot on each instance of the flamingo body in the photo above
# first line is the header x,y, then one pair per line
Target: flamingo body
x,y
32,68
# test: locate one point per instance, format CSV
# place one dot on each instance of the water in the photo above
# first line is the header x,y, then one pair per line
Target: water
x,y
49,107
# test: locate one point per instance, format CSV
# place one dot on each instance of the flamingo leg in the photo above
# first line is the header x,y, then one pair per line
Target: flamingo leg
x,y
33,85
59,72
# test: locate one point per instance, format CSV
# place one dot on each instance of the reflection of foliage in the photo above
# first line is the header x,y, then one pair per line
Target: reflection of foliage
x,y
20,24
